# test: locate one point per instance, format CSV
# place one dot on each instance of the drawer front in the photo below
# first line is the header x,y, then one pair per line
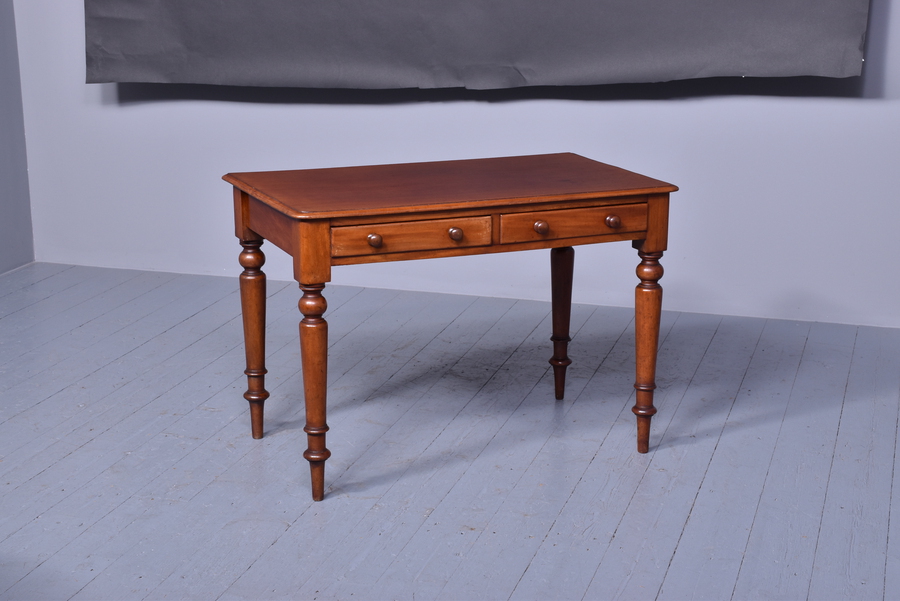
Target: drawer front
x,y
572,223
355,240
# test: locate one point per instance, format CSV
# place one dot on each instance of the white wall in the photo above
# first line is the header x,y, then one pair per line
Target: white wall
x,y
15,212
788,206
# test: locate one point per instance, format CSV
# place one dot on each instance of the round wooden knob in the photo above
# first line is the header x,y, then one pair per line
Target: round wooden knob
x,y
456,233
375,240
613,221
541,227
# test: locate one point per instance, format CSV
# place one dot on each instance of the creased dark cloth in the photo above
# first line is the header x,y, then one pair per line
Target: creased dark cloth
x,y
476,44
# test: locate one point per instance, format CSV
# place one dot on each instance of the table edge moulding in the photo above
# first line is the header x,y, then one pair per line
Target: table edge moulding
x,y
382,213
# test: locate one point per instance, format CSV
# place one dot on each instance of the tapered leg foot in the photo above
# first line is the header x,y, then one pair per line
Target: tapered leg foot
x,y
317,479
314,353
647,312
253,310
643,426
562,262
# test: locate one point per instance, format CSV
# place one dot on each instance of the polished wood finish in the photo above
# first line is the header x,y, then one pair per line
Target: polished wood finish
x,y
253,303
355,215
410,235
562,266
571,223
647,309
375,240
314,356
442,185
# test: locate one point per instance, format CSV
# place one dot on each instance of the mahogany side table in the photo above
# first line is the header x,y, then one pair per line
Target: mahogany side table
x,y
374,214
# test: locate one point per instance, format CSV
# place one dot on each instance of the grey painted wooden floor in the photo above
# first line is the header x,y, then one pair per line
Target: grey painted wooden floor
x,y
127,470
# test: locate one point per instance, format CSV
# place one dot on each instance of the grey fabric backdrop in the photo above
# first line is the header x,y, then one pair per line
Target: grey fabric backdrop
x,y
477,44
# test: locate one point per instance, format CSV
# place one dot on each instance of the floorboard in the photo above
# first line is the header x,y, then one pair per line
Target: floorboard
x,y
127,470
780,551
709,553
856,514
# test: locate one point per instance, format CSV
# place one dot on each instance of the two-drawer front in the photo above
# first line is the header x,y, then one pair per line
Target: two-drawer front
x,y
572,223
408,236
448,233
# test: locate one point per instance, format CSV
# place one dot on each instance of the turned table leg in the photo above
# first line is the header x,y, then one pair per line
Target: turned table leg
x,y
253,310
647,310
314,357
562,262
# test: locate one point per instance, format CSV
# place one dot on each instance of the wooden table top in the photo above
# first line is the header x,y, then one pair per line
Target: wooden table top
x,y
412,187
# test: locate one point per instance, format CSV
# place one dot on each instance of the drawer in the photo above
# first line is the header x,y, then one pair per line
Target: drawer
x,y
408,236
572,223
